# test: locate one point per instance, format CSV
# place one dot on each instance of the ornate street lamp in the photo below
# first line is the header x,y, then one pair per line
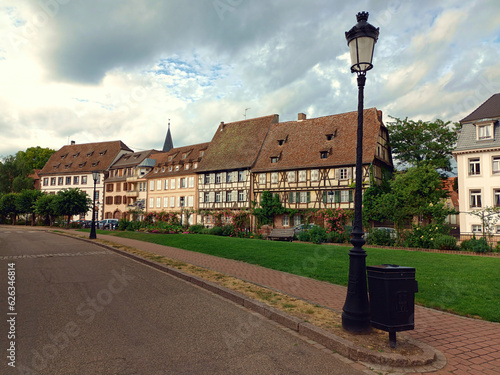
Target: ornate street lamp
x,y
361,40
95,176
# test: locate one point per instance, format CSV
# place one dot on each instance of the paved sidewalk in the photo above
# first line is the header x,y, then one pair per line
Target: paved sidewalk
x,y
471,346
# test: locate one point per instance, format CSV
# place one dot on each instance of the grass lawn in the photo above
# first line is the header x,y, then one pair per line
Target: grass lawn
x,y
466,285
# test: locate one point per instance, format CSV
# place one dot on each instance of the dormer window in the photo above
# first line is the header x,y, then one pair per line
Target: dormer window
x,y
102,153
63,156
170,158
274,159
329,137
484,132
202,153
170,169
95,163
75,155
90,154
177,167
82,164
323,154
281,142
184,156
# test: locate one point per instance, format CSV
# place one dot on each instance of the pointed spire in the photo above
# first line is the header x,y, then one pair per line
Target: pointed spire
x,y
168,145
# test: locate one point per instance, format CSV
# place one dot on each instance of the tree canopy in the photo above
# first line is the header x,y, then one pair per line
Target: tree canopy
x,y
417,142
71,202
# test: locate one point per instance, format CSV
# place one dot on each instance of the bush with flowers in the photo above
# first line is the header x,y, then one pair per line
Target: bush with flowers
x,y
335,219
423,236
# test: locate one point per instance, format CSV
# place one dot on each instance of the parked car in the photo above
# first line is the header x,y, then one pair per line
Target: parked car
x,y
391,231
108,224
302,227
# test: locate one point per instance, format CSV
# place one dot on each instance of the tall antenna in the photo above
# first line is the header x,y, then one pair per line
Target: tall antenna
x,y
245,114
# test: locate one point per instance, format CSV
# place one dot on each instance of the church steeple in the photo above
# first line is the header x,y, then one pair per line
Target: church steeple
x,y
168,145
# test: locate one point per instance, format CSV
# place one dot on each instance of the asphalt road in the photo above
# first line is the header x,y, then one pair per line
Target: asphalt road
x,y
82,309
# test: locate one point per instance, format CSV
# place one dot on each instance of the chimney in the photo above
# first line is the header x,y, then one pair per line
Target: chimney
x,y
302,116
72,143
222,126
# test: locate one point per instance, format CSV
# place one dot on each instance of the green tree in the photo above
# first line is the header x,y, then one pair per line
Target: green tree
x,y
270,207
69,202
423,142
414,194
8,206
489,217
33,158
45,206
25,202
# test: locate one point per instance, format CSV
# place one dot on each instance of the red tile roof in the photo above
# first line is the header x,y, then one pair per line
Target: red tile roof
x,y
83,158
237,145
303,142
176,156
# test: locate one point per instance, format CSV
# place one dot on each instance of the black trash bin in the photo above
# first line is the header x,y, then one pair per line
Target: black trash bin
x,y
392,291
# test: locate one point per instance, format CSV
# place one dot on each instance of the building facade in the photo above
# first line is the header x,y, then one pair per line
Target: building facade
x,y
72,167
125,185
310,163
225,174
478,162
172,183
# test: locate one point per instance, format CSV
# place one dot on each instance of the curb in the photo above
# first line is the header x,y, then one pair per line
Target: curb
x,y
430,359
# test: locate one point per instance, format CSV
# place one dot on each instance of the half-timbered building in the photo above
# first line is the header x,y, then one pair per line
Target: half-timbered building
x,y
225,178
310,163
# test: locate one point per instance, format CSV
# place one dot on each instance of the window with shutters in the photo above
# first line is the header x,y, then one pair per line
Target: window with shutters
x,y
172,202
165,184
286,220
190,201
229,177
158,185
165,202
172,183
191,182
218,178
229,196
242,176
241,195
345,195
218,196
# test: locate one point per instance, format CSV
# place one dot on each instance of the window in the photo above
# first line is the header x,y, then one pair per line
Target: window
x,y
76,180
52,181
118,199
172,183
274,159
191,182
303,197
323,154
314,175
262,178
183,183
190,201
109,188
274,177
302,176
182,202
202,153
297,220
229,177
206,179
206,197
344,174
118,187
496,164
218,196
242,176
60,180
292,197
344,196
329,137
158,184
165,202
484,131
109,200
84,180
496,197
229,196
172,201
165,184
96,196
476,228
281,142
218,178
151,202
241,195
475,198
286,220
46,181
68,180
291,176
474,167
151,185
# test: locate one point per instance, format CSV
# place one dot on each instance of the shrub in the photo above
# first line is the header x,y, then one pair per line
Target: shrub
x,y
317,234
337,237
216,231
123,224
445,242
197,228
304,236
475,245
228,230
380,237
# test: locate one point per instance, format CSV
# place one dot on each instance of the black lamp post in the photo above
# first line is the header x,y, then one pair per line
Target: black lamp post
x,y
95,176
361,40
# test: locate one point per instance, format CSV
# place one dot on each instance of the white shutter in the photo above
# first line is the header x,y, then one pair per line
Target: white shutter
x,y
201,197
172,183
235,176
223,196
245,195
178,183
234,196
211,196
178,201
223,177
337,174
212,178
190,201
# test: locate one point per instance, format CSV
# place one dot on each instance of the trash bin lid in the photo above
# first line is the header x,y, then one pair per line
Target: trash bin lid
x,y
390,268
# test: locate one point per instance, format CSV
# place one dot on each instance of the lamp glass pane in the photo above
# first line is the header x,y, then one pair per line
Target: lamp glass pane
x,y
361,53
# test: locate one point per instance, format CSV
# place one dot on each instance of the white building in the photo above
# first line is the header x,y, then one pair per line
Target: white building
x,y
478,161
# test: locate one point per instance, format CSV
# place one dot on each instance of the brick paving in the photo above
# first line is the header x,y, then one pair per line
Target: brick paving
x,y
471,346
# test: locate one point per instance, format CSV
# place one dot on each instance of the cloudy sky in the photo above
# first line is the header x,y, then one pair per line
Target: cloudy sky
x,y
91,71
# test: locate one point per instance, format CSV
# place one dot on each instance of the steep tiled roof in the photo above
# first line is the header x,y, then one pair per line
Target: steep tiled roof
x,y
300,143
488,110
237,145
178,156
84,158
